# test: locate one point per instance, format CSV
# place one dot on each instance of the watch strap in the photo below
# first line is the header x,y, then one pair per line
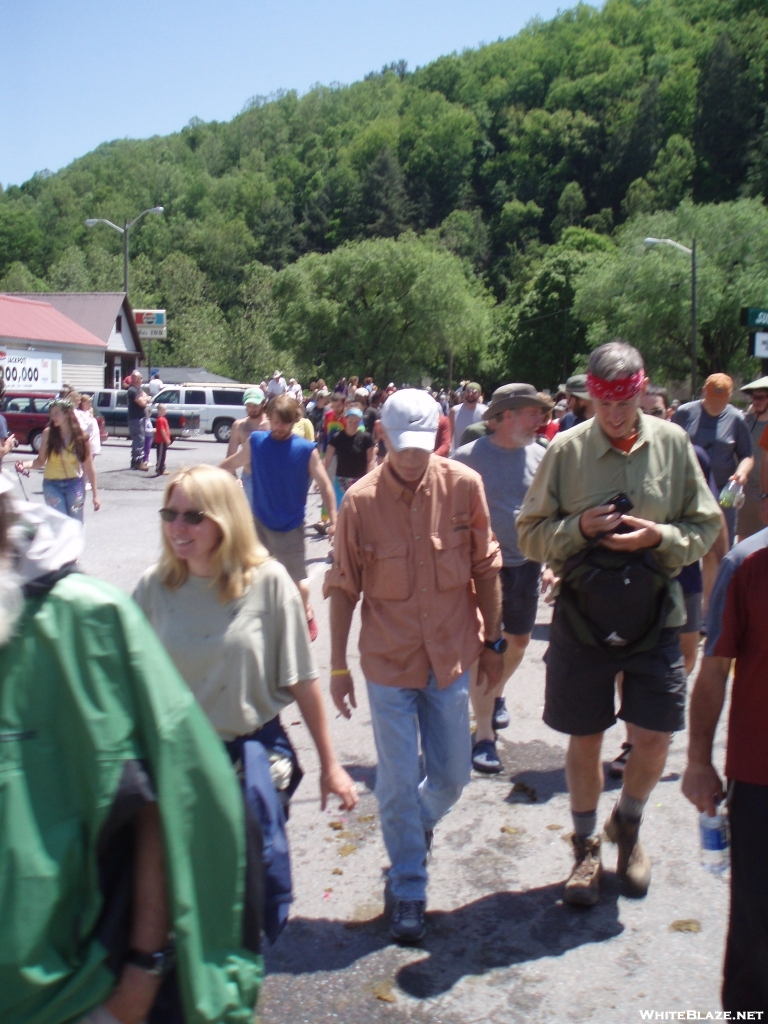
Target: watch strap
x,y
159,963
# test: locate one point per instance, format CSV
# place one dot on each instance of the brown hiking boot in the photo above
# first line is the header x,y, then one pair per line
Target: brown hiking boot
x,y
583,886
634,865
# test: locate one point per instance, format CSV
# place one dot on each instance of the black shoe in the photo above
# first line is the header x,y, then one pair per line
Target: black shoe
x,y
485,759
500,718
618,764
408,922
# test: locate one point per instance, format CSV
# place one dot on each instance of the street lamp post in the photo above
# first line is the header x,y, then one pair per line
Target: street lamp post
x,y
124,231
649,242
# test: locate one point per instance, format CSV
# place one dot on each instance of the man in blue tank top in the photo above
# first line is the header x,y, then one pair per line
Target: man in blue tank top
x,y
281,464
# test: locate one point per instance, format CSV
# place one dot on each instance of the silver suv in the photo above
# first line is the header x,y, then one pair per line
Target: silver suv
x,y
217,405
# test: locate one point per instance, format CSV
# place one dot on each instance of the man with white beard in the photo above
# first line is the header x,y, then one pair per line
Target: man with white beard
x,y
111,774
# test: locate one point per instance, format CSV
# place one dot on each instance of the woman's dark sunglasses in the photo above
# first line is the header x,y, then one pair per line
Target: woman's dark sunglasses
x,y
168,515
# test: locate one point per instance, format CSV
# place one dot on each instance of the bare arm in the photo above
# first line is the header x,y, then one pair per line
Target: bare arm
x,y
333,778
330,451
701,783
136,989
342,686
490,664
237,461
90,473
42,455
321,478
234,438
370,457
743,470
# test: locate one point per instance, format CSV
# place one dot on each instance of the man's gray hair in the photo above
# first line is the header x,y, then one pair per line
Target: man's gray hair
x,y
614,360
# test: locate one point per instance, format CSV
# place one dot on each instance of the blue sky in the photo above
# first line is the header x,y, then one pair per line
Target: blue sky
x,y
77,73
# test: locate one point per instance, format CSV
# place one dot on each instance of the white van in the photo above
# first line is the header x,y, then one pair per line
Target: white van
x,y
217,405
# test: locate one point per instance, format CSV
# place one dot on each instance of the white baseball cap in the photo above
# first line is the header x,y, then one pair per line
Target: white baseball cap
x,y
410,419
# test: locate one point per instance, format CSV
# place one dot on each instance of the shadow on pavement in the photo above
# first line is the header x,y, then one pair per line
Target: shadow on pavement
x,y
363,773
498,930
540,632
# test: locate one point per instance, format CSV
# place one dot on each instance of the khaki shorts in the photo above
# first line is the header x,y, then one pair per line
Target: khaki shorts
x,y
287,546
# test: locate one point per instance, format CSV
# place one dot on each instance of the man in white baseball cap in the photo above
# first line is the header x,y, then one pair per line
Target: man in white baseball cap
x,y
412,537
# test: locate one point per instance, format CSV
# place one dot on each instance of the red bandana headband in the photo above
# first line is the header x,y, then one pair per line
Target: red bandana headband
x,y
615,390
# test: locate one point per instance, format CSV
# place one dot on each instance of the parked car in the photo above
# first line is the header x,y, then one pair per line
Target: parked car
x,y
113,406
26,413
218,406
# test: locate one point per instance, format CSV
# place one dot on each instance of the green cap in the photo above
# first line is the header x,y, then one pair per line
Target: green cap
x,y
253,396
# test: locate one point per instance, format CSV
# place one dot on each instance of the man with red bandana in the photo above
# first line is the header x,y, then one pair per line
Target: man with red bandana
x,y
618,607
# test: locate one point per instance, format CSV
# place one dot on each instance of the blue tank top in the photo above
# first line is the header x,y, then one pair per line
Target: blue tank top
x,y
280,479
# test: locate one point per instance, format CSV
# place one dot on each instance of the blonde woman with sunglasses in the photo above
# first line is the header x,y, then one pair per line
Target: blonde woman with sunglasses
x,y
233,623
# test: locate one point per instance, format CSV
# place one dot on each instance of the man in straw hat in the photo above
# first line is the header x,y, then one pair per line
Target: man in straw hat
x,y
749,520
507,461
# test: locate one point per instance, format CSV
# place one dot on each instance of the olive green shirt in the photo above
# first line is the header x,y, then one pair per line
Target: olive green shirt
x,y
661,475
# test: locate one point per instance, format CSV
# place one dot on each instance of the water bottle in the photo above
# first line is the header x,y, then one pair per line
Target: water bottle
x,y
715,842
732,495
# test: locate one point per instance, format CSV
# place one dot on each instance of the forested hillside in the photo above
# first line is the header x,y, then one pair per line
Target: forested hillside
x,y
462,211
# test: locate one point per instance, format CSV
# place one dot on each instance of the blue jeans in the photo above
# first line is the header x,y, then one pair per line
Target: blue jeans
x,y
136,432
408,803
66,496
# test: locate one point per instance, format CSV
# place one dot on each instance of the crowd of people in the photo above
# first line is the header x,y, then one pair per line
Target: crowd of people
x,y
156,773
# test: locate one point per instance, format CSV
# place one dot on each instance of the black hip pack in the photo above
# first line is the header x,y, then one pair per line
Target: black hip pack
x,y
617,601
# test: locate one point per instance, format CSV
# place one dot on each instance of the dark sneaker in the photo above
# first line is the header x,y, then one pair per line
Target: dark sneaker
x,y
500,714
616,769
485,759
408,921
583,886
634,864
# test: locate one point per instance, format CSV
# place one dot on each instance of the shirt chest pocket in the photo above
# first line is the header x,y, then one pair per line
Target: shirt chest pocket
x,y
385,572
453,565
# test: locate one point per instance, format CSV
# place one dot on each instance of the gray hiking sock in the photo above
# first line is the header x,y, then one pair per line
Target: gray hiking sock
x,y
630,809
584,823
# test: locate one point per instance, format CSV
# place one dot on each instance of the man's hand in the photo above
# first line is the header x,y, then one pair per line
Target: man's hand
x,y
601,519
703,787
337,781
96,504
645,534
740,477
490,667
343,687
331,530
548,580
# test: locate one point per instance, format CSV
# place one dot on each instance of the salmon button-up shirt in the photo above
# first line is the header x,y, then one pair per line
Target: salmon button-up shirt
x,y
414,556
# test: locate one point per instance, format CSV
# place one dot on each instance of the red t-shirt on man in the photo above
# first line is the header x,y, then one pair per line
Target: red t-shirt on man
x,y
736,628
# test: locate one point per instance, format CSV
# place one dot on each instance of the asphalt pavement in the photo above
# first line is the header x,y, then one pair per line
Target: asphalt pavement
x,y
501,945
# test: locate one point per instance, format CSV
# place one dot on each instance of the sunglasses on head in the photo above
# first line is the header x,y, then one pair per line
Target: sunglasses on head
x,y
168,515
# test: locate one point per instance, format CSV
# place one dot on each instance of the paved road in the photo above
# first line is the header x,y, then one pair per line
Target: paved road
x,y
501,946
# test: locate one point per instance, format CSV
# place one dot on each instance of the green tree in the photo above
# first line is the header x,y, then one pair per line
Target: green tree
x,y
19,278
539,338
20,236
644,296
392,309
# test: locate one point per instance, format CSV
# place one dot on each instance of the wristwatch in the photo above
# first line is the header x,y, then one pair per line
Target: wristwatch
x,y
159,963
499,646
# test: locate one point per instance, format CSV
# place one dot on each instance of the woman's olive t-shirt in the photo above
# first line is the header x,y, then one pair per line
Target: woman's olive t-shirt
x,y
240,658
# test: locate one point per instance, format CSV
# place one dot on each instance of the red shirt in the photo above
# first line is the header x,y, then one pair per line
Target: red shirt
x,y
443,436
736,628
548,430
162,430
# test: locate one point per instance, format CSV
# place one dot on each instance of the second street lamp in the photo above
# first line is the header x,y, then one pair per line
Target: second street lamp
x,y
124,231
649,242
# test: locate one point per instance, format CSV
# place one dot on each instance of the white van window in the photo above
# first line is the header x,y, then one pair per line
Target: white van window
x,y
194,397
167,398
